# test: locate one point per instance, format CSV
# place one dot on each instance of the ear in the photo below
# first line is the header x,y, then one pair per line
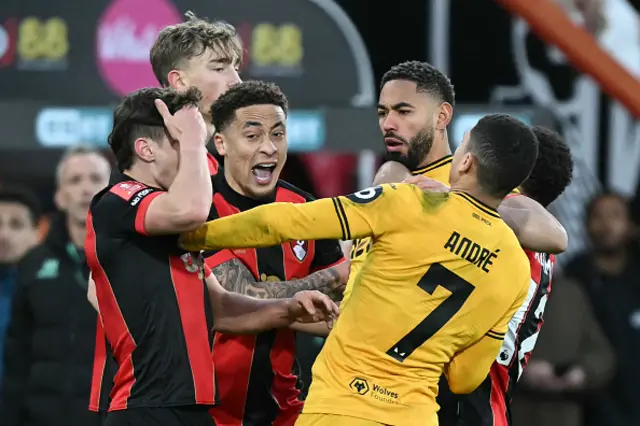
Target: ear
x,y
59,199
177,80
467,163
445,114
144,150
220,144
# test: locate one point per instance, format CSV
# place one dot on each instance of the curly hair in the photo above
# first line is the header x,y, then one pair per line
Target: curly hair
x,y
426,77
248,93
137,117
553,170
178,43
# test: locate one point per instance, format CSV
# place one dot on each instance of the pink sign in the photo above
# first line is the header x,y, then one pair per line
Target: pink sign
x,y
126,32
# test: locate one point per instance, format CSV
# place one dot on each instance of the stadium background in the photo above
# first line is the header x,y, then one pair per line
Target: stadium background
x,y
64,64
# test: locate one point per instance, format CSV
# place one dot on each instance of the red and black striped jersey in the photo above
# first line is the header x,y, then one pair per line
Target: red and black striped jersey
x,y
256,379
104,370
153,305
489,404
104,365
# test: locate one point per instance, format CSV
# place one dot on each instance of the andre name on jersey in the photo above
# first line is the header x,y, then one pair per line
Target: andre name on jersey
x,y
444,277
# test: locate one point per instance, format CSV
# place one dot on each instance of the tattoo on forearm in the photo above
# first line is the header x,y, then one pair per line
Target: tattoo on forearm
x,y
234,276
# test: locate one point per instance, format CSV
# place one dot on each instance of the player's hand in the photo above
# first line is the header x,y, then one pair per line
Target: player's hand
x,y
312,306
186,126
427,184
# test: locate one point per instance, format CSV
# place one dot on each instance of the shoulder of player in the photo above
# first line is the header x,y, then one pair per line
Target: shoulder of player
x,y
121,193
294,191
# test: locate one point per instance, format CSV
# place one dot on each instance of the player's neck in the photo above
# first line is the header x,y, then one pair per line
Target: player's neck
x,y
475,192
233,184
143,175
439,150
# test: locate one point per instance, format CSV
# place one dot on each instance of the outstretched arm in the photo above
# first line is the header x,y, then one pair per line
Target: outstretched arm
x,y
234,276
535,227
355,216
240,314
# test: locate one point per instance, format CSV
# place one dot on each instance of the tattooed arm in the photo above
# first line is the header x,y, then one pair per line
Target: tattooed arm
x,y
234,276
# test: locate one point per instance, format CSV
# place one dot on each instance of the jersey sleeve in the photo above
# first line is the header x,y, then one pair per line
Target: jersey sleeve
x,y
469,367
125,206
362,214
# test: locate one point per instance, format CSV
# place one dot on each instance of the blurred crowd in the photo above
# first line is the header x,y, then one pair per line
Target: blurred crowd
x,y
583,371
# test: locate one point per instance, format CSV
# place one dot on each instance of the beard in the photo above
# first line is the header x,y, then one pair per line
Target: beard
x,y
419,147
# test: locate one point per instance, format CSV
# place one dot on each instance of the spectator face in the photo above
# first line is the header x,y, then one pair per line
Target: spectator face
x,y
609,226
80,177
18,232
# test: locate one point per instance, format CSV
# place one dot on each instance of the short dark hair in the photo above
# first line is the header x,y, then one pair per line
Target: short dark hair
x,y
241,95
426,77
178,43
24,196
506,150
137,117
553,170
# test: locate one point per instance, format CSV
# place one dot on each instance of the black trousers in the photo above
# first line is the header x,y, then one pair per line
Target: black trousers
x,y
169,416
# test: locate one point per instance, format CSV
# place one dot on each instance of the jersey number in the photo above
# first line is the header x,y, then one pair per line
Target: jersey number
x,y
437,275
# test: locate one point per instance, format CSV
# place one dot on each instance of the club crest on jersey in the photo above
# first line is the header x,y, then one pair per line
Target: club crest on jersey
x,y
300,249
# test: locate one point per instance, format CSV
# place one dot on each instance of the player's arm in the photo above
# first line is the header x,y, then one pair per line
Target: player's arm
x,y
185,206
234,276
241,314
320,329
469,368
363,214
535,227
391,172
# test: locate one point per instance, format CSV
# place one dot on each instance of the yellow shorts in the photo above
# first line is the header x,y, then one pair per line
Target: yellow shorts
x,y
333,420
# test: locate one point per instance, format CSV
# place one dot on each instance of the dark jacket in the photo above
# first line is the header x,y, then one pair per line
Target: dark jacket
x,y
571,335
7,283
616,305
50,340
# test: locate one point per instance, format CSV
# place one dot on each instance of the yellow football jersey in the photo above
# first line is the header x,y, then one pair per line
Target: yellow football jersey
x,y
438,170
444,278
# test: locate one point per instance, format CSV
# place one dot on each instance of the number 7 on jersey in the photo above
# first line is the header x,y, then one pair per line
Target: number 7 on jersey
x,y
437,275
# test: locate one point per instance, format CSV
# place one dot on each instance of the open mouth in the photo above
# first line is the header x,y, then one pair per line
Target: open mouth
x,y
393,144
263,172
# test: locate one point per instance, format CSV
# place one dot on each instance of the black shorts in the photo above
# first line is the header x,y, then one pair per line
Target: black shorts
x,y
170,416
